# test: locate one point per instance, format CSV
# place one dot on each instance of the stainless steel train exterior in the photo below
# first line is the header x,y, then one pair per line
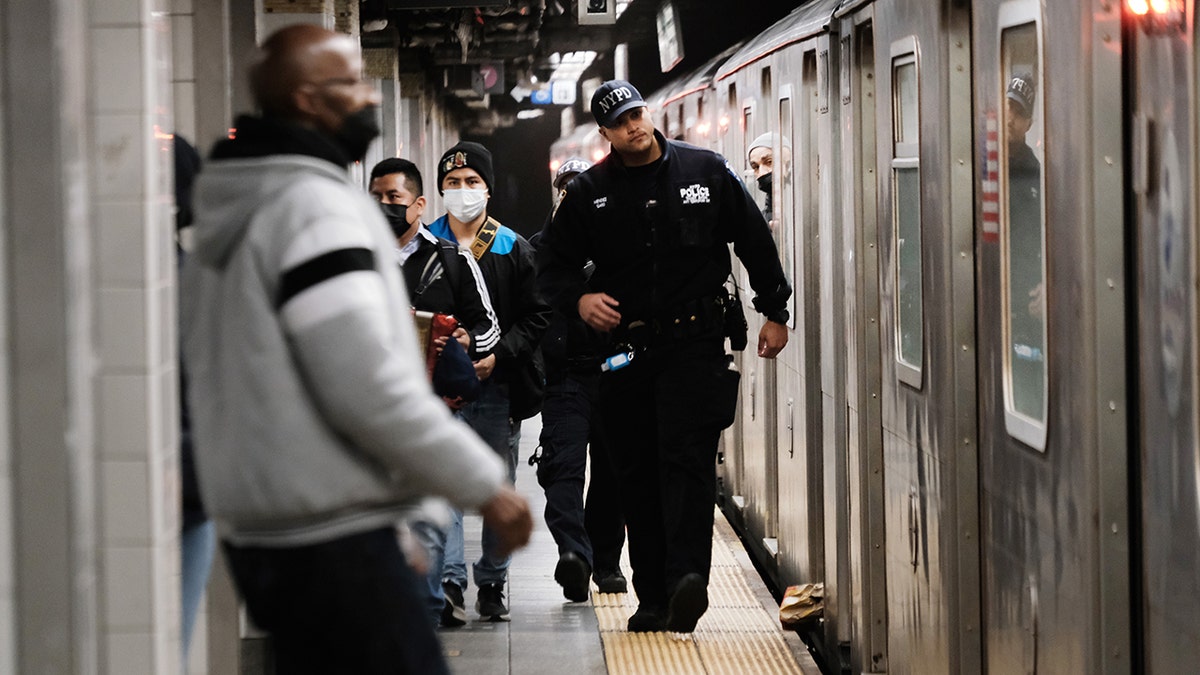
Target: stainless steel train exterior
x,y
983,437
1162,117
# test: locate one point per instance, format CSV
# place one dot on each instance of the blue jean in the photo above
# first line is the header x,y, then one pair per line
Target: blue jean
x,y
488,416
198,543
432,538
343,606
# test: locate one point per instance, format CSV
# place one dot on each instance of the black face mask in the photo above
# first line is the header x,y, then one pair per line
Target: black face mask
x,y
397,217
764,183
357,131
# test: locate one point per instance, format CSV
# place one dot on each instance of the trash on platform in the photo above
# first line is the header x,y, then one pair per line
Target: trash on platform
x,y
802,606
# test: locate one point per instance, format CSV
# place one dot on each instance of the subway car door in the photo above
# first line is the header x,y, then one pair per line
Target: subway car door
x,y
864,426
1052,347
1163,94
757,498
927,308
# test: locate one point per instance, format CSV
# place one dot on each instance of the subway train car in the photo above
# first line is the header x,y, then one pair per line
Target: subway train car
x,y
983,435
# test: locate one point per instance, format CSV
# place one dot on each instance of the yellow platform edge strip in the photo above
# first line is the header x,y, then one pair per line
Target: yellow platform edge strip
x,y
737,635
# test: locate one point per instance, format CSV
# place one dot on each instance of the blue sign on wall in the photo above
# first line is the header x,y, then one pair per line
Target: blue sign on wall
x,y
541,97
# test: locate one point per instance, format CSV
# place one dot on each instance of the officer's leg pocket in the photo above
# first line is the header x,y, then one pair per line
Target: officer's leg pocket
x,y
724,395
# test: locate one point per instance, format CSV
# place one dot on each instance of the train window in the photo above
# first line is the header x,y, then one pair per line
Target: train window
x,y
782,171
731,102
1022,221
748,136
906,213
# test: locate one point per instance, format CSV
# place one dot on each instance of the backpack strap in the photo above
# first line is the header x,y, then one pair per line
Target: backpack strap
x,y
484,237
433,267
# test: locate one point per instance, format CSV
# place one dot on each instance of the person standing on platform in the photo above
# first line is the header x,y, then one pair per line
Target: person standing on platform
x,y
197,536
589,537
443,278
314,425
511,374
656,217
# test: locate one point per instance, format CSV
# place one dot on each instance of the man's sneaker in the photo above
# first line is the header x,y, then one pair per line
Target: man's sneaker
x,y
611,582
573,574
454,612
688,603
490,603
646,620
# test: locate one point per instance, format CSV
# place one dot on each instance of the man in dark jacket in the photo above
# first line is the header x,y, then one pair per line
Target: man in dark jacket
x,y
442,278
465,181
589,537
656,218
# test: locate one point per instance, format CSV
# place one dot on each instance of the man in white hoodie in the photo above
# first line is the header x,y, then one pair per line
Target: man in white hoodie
x,y
314,425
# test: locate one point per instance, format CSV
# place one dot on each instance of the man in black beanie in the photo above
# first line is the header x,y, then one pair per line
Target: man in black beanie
x,y
512,374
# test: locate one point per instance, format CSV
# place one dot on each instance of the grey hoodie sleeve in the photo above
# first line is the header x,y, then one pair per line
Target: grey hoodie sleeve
x,y
338,307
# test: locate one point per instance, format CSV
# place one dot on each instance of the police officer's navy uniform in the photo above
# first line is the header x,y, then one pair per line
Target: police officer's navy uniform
x,y
659,236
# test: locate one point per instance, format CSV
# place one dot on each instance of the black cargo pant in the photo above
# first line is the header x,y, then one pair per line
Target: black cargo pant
x,y
571,431
348,606
663,416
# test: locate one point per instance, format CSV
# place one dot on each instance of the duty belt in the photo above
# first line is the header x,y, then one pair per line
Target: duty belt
x,y
691,319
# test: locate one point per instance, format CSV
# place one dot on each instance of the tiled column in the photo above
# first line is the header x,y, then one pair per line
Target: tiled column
x,y
130,99
50,590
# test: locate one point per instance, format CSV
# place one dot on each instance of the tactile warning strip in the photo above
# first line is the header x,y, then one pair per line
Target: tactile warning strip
x,y
737,635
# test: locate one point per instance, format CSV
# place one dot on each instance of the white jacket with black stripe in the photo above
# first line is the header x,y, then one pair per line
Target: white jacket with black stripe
x,y
312,415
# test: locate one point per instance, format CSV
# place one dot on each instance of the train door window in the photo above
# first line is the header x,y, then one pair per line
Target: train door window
x,y
748,136
702,125
782,181
726,114
906,212
1023,231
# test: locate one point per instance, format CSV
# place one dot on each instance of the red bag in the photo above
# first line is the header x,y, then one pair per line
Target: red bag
x,y
455,379
441,325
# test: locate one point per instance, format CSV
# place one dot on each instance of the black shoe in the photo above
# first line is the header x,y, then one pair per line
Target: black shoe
x,y
646,620
573,574
688,603
454,612
490,603
611,582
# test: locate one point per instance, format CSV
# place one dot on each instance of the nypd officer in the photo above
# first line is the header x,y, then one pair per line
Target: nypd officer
x,y
589,537
656,218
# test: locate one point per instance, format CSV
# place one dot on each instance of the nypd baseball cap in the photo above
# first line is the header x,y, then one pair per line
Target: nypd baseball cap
x,y
1021,91
569,168
613,98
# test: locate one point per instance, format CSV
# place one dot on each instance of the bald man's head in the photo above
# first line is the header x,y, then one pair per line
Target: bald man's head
x,y
313,77
296,56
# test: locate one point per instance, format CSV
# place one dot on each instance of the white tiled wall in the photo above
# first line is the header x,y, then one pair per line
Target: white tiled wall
x,y
131,95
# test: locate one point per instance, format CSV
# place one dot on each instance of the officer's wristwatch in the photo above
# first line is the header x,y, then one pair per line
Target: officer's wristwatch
x,y
779,316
